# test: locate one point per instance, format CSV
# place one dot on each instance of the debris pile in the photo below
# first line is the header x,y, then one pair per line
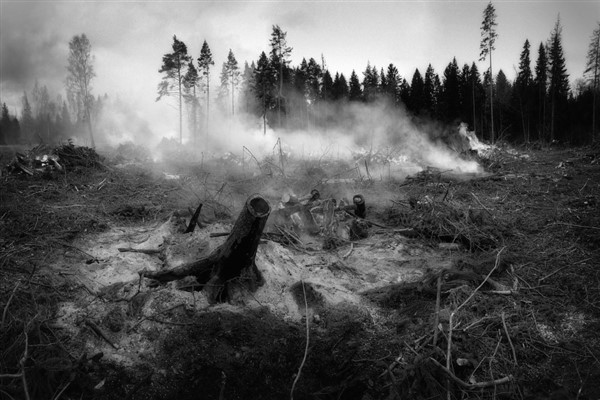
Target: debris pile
x,y
44,159
298,219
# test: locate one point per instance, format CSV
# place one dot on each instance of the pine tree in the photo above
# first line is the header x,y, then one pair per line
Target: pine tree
x,y
592,73
265,80
280,53
190,83
79,79
488,33
173,68
233,75
354,90
205,61
559,80
541,88
370,83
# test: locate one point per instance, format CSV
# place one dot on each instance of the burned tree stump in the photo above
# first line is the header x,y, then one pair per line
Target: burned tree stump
x,y
231,264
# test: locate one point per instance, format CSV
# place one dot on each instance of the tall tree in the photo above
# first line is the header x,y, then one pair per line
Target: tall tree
x,y
417,93
233,76
79,79
340,87
280,54
429,100
522,92
327,86
264,86
392,86
541,88
354,89
477,93
503,95
205,61
27,121
488,39
246,91
190,84
558,78
173,68
450,92
5,126
592,73
370,83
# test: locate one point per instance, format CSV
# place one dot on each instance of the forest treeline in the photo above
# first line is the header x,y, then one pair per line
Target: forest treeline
x,y
538,105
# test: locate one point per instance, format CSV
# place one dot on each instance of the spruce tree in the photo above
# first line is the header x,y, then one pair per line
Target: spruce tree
x,y
429,100
503,95
265,80
523,89
327,87
417,93
27,121
5,126
450,92
541,88
392,87
280,53
354,91
559,80
173,68
340,87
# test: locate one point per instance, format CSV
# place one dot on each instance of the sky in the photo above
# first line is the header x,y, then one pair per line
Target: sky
x,y
128,38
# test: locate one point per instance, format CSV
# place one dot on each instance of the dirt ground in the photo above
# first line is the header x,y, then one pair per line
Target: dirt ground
x,y
478,286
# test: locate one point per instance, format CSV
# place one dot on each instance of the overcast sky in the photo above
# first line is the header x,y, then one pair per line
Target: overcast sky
x,y
129,37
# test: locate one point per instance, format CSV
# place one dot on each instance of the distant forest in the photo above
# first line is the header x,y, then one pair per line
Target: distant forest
x,y
539,105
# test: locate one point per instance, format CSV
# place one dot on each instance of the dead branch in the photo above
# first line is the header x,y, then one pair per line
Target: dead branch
x,y
7,304
307,341
143,251
437,310
509,339
99,332
452,314
466,385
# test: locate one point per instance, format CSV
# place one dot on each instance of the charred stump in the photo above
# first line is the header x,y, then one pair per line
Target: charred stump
x,y
231,265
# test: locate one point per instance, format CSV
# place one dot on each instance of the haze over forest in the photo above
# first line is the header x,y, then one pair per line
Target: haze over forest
x,y
128,41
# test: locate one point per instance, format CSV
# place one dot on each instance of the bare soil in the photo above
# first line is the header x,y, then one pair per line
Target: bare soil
x,y
515,252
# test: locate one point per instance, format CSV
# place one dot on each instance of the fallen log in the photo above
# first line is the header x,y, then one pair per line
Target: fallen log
x,y
222,271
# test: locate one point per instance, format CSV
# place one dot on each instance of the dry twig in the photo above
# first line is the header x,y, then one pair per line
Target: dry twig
x,y
307,341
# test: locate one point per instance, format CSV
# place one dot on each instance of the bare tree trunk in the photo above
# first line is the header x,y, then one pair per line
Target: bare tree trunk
x,y
491,94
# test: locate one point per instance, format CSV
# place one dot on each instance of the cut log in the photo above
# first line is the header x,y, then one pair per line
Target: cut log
x,y
232,263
